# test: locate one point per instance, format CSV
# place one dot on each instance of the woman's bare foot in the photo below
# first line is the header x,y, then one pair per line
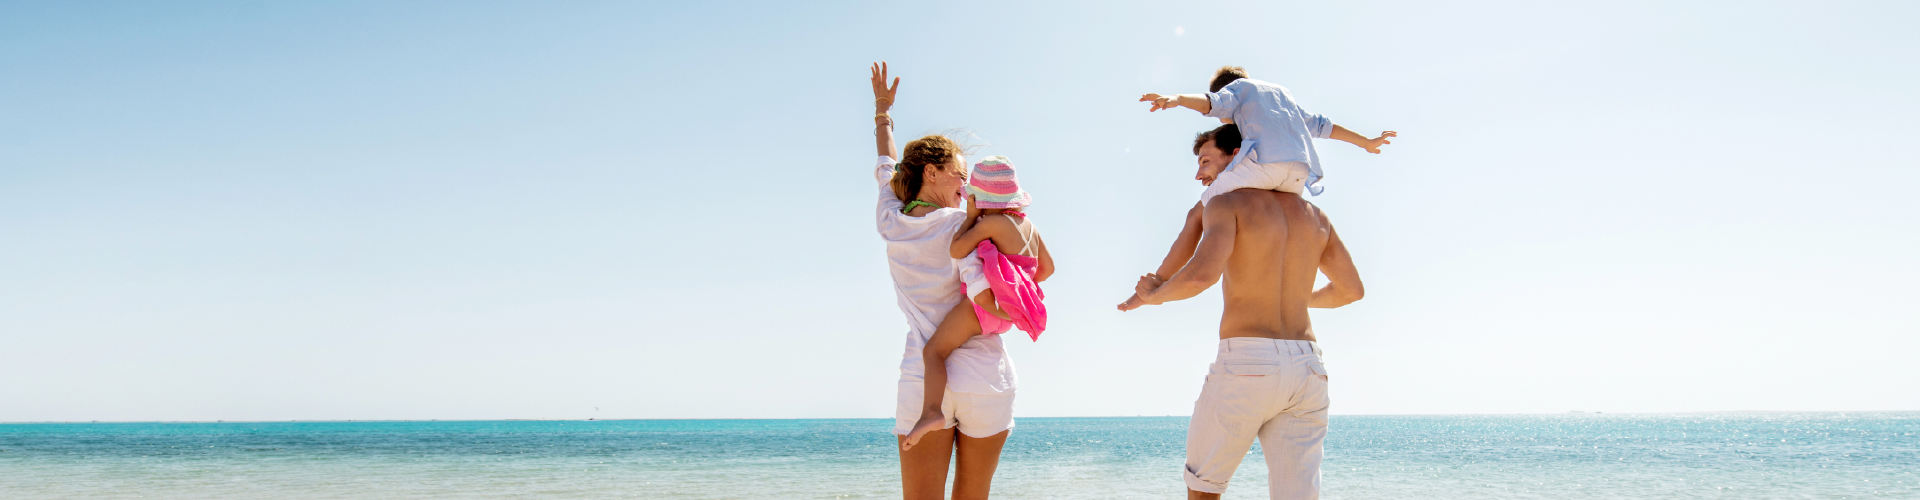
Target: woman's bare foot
x,y
929,421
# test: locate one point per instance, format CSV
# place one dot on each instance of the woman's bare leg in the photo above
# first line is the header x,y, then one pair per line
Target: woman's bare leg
x,y
923,469
978,459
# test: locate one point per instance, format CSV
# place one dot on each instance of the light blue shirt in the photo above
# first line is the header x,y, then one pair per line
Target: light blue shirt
x,y
1272,127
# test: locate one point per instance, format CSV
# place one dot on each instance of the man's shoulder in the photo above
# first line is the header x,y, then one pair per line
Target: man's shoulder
x,y
1244,196
1237,201
1260,200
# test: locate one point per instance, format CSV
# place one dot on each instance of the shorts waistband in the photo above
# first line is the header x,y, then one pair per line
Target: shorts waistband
x,y
1256,344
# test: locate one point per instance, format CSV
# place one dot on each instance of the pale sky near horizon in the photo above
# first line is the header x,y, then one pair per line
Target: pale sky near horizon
x,y
466,210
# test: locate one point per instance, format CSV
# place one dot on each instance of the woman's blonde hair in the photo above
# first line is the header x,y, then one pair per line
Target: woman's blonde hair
x,y
936,151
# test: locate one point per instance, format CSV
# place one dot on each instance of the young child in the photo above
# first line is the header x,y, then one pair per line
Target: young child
x,y
1276,149
1013,261
1269,140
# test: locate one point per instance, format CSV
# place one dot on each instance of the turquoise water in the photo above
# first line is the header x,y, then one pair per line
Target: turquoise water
x,y
1731,455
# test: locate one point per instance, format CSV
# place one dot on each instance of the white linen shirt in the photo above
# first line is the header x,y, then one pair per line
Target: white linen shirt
x,y
926,279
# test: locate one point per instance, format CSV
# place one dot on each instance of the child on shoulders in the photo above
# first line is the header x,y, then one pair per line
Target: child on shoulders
x,y
1276,150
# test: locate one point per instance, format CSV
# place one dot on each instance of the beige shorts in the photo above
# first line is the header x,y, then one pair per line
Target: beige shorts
x,y
1275,390
977,415
1283,176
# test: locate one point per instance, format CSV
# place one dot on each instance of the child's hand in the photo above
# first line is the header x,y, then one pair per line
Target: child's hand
x,y
1161,101
1373,145
973,212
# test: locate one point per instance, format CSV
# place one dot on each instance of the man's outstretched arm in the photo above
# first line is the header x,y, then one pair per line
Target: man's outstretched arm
x,y
1343,280
1209,260
1177,257
1183,245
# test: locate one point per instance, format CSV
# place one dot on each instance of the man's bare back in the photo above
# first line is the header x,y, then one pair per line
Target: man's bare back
x,y
1268,245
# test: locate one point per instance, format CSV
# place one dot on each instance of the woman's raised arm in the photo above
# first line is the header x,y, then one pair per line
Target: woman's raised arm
x,y
882,101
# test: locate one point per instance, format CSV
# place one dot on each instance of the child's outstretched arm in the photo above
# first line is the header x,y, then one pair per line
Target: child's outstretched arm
x,y
1196,102
959,326
1371,145
1177,257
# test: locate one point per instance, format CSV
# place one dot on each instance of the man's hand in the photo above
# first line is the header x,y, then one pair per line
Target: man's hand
x,y
1161,102
1373,145
882,94
1148,283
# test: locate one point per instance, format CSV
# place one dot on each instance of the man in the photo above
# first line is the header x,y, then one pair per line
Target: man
x,y
1268,380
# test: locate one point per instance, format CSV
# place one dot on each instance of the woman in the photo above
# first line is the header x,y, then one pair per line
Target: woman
x,y
922,207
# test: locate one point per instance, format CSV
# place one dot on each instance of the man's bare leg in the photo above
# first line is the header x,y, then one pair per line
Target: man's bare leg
x,y
923,469
979,457
1195,495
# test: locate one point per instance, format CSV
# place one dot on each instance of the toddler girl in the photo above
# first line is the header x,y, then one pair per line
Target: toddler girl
x,y
1013,260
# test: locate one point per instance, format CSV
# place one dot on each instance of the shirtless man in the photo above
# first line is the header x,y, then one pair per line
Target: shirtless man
x,y
1268,380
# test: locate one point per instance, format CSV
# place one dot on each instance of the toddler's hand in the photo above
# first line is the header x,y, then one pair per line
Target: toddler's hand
x,y
1373,145
1160,102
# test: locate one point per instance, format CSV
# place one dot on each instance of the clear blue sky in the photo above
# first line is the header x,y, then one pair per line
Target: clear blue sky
x,y
363,210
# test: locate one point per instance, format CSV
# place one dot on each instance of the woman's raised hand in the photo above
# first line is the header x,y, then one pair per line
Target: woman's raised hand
x,y
882,94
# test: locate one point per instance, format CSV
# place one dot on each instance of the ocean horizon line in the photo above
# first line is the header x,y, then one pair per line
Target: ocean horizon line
x,y
1571,412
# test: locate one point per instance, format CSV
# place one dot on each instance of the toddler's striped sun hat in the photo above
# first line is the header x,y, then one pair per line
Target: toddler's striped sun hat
x,y
994,185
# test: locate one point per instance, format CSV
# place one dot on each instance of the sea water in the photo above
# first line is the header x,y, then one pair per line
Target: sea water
x,y
1721,455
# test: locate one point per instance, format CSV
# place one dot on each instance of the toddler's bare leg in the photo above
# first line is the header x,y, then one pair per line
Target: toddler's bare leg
x,y
960,325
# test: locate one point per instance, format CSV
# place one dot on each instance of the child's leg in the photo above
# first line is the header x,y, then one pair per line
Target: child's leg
x,y
1285,176
960,325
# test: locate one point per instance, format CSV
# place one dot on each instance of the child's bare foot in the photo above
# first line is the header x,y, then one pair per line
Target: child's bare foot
x,y
1132,303
929,421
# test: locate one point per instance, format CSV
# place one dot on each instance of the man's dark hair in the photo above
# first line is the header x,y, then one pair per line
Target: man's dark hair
x,y
1226,75
1227,138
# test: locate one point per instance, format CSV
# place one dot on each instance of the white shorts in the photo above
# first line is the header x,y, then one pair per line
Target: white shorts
x,y
1272,389
977,415
1283,176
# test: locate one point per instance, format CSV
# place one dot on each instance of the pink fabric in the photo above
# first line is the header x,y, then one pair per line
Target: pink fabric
x,y
1011,277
